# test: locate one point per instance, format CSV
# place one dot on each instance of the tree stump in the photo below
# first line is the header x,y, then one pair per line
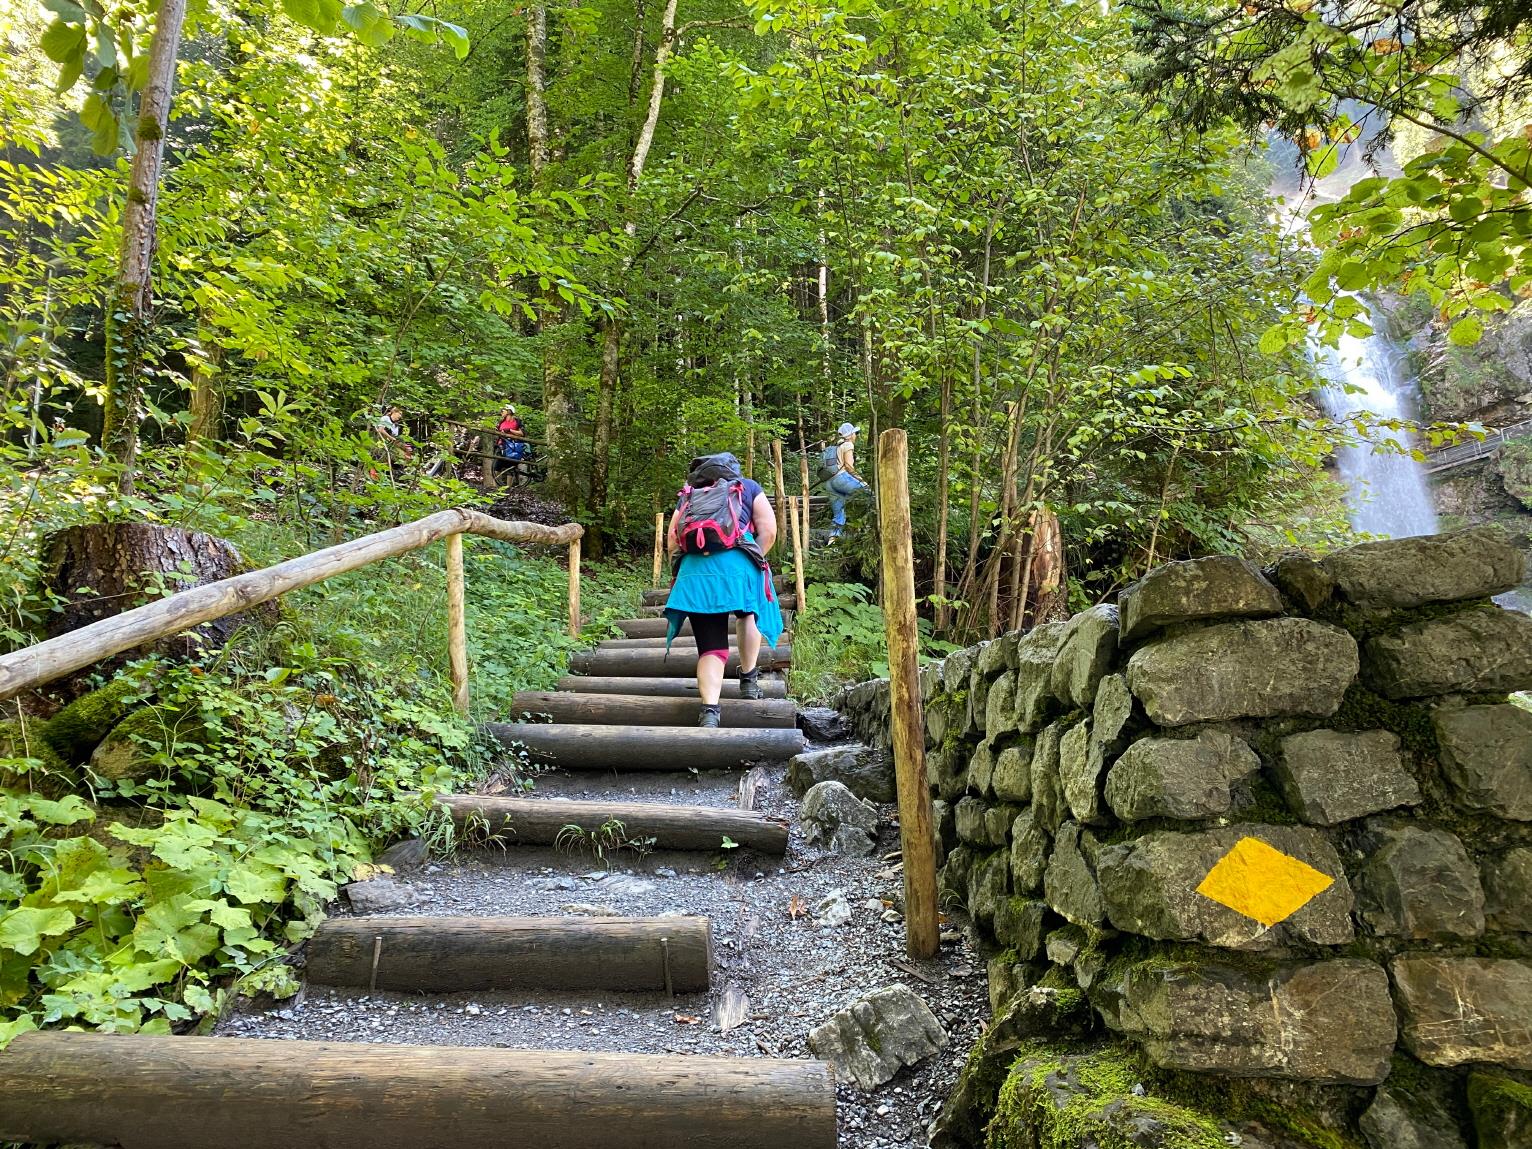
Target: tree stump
x,y
102,569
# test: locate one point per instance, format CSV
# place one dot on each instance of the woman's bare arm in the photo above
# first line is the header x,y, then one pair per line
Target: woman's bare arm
x,y
763,521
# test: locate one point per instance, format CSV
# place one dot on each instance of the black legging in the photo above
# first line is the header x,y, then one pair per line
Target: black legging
x,y
711,631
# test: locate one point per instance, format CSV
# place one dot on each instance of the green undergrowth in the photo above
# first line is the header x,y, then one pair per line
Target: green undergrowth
x,y
265,774
839,638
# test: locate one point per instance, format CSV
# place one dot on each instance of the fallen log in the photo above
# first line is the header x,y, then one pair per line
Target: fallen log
x,y
594,747
660,687
640,710
459,954
146,1092
659,663
540,821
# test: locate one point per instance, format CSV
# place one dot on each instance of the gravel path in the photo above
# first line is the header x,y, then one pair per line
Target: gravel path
x,y
767,945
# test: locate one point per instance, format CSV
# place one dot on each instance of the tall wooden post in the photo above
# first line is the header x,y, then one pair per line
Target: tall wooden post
x,y
574,589
792,515
659,545
922,935
457,624
776,462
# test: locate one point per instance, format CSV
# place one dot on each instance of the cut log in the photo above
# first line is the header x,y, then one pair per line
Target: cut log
x,y
592,747
539,821
658,663
657,642
638,710
458,955
656,597
660,687
143,1092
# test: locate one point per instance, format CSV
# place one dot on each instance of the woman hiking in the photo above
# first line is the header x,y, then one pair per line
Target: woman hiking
x,y
840,461
722,529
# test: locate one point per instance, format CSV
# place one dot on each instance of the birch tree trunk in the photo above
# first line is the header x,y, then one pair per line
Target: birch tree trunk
x,y
611,345
129,313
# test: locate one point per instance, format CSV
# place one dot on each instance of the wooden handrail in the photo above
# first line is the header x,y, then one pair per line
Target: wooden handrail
x,y
46,661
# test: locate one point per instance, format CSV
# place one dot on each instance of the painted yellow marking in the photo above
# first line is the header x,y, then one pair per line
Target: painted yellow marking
x,y
1262,882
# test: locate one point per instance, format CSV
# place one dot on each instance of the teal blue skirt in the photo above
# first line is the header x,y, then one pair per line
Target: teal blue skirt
x,y
725,582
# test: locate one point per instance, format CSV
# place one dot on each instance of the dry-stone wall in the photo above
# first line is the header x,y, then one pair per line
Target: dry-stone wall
x,y
1253,854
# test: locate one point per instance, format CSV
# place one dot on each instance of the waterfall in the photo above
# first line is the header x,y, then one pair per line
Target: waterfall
x,y
1386,490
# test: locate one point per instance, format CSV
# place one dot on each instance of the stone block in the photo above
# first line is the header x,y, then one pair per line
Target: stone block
x,y
1482,650
1276,667
1069,883
1400,574
998,654
1080,776
1019,926
866,772
1179,777
1029,853
947,771
1502,1111
1486,754
981,768
1035,653
1329,1021
968,816
1305,582
1396,1120
1329,777
1012,780
835,818
1458,1010
1220,586
1047,792
1507,880
1085,654
999,706
1420,884
988,884
873,1039
1150,886
956,669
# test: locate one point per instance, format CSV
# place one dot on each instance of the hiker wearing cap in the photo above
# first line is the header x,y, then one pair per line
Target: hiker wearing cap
x,y
844,482
512,449
722,529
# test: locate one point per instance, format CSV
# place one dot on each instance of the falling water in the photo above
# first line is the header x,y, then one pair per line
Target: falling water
x,y
1387,492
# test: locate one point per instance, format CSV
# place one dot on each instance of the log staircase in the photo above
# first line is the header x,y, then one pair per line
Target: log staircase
x,y
628,706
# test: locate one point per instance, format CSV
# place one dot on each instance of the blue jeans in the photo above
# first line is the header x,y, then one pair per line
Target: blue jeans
x,y
842,487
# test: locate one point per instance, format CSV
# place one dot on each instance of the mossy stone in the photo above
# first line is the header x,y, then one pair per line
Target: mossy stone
x,y
1502,1111
81,726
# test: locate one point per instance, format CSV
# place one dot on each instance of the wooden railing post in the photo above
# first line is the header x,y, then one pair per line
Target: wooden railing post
x,y
457,623
574,589
923,935
792,515
659,545
776,463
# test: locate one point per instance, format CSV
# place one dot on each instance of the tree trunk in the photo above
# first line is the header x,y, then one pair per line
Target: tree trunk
x,y
129,312
206,412
102,569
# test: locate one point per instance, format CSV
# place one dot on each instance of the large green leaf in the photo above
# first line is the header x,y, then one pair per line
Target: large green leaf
x,y
320,15
24,929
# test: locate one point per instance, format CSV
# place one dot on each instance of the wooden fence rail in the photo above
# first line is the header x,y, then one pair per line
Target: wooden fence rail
x,y
46,661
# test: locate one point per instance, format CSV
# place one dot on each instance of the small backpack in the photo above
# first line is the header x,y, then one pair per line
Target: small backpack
x,y
829,461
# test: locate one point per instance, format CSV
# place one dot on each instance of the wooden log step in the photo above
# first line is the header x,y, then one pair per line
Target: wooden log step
x,y
660,687
682,642
459,955
595,747
639,710
540,821
656,627
147,1092
659,663
656,596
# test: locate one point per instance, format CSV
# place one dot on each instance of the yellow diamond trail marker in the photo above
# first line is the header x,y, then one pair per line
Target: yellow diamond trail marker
x,y
1262,882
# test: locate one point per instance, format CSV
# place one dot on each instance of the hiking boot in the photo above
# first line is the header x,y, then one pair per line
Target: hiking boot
x,y
710,716
750,685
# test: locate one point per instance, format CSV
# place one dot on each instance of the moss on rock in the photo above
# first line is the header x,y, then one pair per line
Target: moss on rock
x,y
48,773
130,751
1502,1111
81,726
